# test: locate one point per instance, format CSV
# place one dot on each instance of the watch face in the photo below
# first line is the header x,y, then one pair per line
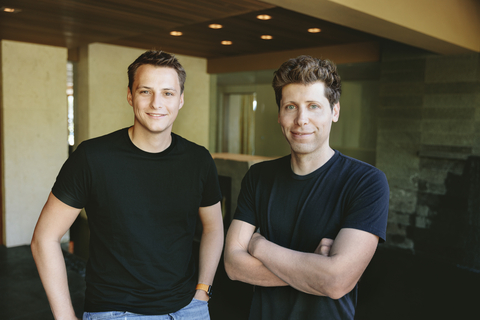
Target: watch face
x,y
209,292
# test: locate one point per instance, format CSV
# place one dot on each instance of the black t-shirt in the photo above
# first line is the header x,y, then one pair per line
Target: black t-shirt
x,y
142,211
296,212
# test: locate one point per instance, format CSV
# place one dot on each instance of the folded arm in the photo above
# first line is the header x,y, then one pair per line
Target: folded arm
x,y
55,219
332,270
211,245
334,275
242,266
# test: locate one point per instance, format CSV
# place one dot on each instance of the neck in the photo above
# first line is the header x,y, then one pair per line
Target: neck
x,y
152,143
303,164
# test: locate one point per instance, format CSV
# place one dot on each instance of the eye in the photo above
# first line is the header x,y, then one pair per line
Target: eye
x,y
168,94
314,106
144,92
290,107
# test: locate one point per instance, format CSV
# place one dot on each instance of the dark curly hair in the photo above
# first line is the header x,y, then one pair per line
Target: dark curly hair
x,y
306,70
157,58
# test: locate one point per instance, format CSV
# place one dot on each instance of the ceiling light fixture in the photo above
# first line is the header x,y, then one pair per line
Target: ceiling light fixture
x,y
266,37
176,33
10,10
227,42
215,26
314,30
264,17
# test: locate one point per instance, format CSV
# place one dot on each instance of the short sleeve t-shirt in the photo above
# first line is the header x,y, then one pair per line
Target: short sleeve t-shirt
x,y
142,211
296,212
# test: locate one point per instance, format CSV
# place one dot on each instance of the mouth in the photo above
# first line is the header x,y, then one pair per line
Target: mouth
x,y
301,134
156,115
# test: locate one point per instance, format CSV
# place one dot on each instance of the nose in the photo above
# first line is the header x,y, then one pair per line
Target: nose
x,y
302,117
156,101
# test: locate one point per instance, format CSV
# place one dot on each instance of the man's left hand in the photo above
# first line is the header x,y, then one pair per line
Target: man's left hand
x,y
256,238
201,295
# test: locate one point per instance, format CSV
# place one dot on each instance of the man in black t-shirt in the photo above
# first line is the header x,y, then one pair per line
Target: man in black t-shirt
x,y
319,215
143,189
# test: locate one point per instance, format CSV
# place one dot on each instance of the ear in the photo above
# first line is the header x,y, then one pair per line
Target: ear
x,y
181,101
336,112
129,97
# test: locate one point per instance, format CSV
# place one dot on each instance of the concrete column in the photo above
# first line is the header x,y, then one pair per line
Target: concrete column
x,y
34,120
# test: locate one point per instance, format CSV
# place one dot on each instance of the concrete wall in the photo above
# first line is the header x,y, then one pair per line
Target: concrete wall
x,y
193,121
34,121
102,89
102,93
428,146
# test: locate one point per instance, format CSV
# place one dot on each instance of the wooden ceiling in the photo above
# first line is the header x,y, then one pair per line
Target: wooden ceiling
x,y
147,24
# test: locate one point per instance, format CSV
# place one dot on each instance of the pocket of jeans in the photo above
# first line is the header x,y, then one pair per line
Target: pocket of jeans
x,y
104,315
201,301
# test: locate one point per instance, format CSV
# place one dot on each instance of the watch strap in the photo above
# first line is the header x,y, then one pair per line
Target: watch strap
x,y
205,287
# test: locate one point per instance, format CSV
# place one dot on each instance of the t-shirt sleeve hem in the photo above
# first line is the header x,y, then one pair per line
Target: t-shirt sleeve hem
x,y
380,234
244,219
67,200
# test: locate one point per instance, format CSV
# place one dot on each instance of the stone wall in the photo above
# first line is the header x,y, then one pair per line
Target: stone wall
x,y
428,146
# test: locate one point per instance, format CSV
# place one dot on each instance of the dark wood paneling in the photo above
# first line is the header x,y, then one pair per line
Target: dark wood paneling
x,y
147,24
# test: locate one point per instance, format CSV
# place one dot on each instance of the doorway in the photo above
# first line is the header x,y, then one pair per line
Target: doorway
x,y
238,124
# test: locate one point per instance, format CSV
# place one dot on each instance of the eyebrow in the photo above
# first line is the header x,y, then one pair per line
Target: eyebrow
x,y
309,101
150,88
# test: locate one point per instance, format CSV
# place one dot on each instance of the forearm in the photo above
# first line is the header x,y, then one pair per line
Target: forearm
x,y
307,272
333,274
51,268
241,266
211,246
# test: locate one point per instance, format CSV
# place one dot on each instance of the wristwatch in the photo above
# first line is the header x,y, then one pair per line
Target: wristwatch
x,y
206,288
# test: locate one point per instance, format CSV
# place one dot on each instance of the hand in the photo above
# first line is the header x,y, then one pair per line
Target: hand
x,y
201,295
256,237
324,247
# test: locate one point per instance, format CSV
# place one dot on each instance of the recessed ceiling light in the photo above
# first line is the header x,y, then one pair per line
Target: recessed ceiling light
x,y
264,17
215,26
10,10
227,42
266,37
176,33
314,30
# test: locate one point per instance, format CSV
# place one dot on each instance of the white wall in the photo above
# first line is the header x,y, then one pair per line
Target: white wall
x,y
35,131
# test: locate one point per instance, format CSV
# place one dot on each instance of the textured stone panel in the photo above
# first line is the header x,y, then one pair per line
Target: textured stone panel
x,y
451,101
451,139
401,101
446,126
400,112
407,88
459,113
453,88
461,68
400,125
413,65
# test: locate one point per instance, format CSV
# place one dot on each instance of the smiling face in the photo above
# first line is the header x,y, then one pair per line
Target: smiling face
x,y
306,117
156,98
